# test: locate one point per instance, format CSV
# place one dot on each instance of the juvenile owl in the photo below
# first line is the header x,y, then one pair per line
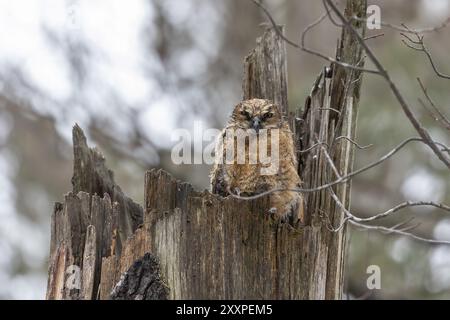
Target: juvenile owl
x,y
254,154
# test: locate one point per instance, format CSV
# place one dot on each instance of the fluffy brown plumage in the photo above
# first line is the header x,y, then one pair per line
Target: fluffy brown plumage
x,y
246,178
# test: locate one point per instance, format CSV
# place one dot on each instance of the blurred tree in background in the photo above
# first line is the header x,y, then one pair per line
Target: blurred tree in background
x,y
130,73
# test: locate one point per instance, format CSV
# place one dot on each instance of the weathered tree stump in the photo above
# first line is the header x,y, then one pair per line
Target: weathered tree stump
x,y
87,228
187,244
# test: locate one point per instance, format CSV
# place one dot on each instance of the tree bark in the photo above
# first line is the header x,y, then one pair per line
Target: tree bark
x,y
187,244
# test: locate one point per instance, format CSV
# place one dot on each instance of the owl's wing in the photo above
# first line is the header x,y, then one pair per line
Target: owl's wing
x,y
218,181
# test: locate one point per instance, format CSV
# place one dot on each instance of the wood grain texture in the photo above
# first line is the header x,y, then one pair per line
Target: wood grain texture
x,y
88,227
265,70
220,248
223,248
335,88
91,175
141,281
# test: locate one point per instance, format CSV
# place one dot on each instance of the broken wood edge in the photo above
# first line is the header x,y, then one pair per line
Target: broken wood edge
x,y
142,281
163,177
265,70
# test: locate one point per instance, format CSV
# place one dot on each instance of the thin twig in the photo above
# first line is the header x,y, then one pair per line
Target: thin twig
x,y
349,217
402,28
380,70
353,142
374,36
401,206
302,47
399,232
422,48
440,116
403,226
330,109
339,180
406,109
313,146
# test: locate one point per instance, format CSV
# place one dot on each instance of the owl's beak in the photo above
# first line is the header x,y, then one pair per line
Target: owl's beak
x,y
256,124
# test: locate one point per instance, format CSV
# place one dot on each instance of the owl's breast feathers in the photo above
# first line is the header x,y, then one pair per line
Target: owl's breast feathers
x,y
241,174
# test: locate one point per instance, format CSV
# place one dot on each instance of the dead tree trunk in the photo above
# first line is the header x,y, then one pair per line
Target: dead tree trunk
x,y
186,244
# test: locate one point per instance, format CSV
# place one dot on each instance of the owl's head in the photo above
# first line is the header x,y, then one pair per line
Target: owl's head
x,y
256,114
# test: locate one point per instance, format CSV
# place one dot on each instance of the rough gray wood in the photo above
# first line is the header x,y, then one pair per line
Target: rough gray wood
x,y
141,281
91,175
89,263
91,224
216,248
336,88
265,70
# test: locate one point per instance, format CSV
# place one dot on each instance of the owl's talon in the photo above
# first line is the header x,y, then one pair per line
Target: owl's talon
x,y
272,211
284,218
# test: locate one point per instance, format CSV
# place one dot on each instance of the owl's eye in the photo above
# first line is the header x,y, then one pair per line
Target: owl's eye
x,y
245,114
268,115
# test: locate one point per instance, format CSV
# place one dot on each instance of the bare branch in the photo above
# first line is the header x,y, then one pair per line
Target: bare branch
x,y
330,109
401,28
397,208
422,48
380,70
403,226
313,146
302,47
406,109
402,206
342,179
349,217
374,36
405,29
437,114
353,142
398,232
